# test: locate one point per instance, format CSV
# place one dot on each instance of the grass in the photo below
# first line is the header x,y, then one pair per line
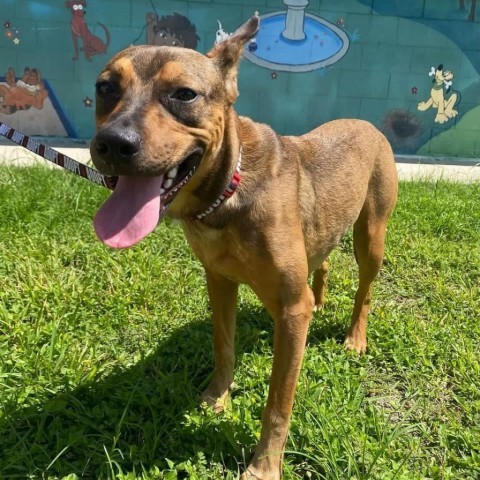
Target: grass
x,y
103,354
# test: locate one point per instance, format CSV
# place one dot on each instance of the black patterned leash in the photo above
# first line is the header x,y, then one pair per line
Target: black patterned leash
x,y
55,157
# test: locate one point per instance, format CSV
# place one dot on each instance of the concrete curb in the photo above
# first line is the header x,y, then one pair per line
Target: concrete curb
x,y
410,167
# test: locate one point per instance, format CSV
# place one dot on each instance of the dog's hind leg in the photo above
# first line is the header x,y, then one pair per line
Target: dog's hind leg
x,y
320,285
223,301
369,245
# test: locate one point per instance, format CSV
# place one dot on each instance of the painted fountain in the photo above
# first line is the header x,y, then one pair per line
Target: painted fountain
x,y
296,41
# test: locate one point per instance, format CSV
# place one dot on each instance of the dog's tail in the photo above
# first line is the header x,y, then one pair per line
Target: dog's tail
x,y
459,97
107,35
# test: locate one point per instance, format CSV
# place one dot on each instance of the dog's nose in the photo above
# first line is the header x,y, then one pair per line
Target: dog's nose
x,y
115,143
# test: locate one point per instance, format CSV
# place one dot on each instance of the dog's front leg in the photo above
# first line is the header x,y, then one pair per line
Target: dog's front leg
x,y
422,106
291,322
223,301
75,46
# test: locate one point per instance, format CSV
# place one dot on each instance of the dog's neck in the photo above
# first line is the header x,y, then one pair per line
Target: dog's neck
x,y
256,142
216,189
229,190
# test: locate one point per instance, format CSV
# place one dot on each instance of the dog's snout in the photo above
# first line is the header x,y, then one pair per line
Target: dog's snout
x,y
115,143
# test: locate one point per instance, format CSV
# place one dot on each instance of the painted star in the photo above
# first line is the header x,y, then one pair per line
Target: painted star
x,y
88,102
16,41
7,24
414,90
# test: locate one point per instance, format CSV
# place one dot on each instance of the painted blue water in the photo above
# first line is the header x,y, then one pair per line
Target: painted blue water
x,y
320,43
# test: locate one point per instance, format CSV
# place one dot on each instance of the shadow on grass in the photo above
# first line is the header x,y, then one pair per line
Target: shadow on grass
x,y
324,327
134,418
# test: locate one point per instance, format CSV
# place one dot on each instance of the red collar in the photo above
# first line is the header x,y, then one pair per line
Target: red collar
x,y
230,189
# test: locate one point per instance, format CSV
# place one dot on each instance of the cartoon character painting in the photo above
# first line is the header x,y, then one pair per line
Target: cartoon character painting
x,y
171,30
28,103
221,34
24,93
297,41
442,79
91,44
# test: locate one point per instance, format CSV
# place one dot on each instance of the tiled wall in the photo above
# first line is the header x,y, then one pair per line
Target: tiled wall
x,y
383,76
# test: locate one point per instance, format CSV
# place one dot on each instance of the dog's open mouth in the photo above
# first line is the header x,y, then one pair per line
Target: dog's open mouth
x,y
138,203
177,177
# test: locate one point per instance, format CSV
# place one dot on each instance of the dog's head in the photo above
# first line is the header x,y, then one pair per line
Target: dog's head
x,y
160,115
441,74
77,7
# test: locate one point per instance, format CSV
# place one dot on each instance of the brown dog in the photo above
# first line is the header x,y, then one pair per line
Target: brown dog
x,y
256,208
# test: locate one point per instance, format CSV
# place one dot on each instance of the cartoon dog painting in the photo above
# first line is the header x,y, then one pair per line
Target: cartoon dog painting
x,y
92,45
441,79
221,34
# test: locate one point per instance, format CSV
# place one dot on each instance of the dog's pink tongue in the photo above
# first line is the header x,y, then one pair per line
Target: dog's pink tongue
x,y
130,213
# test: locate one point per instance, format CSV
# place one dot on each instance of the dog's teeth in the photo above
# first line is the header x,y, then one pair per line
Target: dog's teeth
x,y
162,191
168,183
172,173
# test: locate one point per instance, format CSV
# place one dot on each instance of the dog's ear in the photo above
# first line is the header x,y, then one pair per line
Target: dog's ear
x,y
227,54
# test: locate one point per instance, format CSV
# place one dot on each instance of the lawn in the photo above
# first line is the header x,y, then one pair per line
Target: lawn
x,y
103,354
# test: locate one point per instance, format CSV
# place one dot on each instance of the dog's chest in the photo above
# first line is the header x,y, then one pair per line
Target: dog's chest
x,y
220,251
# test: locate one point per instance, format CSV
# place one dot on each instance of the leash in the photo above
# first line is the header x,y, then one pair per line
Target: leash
x,y
55,157
82,170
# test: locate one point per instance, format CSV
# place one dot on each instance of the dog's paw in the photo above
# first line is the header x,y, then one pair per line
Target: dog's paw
x,y
441,118
319,306
255,474
217,405
353,344
247,475
216,400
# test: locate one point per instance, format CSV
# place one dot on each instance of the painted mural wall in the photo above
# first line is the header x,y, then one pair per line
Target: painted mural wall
x,y
411,67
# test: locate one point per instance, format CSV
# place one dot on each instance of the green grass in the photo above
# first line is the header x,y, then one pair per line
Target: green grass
x,y
103,354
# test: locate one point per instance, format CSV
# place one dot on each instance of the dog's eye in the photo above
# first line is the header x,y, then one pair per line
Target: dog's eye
x,y
104,88
184,95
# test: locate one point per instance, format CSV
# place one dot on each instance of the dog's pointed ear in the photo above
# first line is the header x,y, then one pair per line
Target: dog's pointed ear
x,y
227,54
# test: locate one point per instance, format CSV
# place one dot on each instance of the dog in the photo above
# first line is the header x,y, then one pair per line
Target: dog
x,y
92,45
256,208
441,79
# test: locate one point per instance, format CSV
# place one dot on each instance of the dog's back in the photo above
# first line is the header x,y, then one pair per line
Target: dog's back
x,y
328,174
344,165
